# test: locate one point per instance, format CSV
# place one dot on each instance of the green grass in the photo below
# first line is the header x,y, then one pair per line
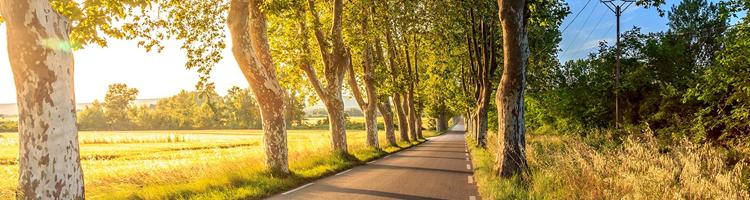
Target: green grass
x,y
196,164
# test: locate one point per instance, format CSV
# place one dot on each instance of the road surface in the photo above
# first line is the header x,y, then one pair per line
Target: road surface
x,y
436,169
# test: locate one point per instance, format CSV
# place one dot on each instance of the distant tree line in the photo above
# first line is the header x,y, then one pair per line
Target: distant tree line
x,y
185,110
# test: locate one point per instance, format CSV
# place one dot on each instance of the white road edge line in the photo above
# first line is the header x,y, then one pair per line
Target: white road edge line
x,y
471,180
295,189
387,156
468,166
370,162
472,198
344,172
467,154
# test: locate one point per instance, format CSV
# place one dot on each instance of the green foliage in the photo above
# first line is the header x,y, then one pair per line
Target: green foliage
x,y
92,117
672,81
116,103
724,89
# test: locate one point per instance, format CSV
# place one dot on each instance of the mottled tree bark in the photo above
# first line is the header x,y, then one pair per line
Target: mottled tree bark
x,y
483,61
335,60
385,109
511,159
42,63
247,25
409,102
403,127
369,105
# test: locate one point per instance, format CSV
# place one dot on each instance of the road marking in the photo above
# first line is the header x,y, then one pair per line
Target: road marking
x,y
471,180
370,162
387,156
468,166
467,154
467,159
472,198
344,172
295,189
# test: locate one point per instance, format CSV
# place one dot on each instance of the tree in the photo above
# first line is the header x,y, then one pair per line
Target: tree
x,y
41,57
336,61
483,63
116,103
369,105
398,98
247,24
92,117
511,159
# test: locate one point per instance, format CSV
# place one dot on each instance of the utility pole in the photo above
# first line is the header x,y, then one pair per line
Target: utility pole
x,y
617,6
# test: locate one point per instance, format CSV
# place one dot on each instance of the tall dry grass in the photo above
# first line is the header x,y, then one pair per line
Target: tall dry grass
x,y
639,168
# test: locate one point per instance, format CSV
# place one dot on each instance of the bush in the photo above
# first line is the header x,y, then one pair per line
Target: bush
x,y
8,126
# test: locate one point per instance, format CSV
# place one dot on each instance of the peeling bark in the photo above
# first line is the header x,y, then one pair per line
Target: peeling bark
x,y
42,63
403,128
409,102
247,25
336,62
511,158
369,105
387,112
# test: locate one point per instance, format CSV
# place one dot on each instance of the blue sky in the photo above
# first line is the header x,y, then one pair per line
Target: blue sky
x,y
596,23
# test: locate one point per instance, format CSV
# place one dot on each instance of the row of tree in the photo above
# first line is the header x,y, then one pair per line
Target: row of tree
x,y
185,110
376,45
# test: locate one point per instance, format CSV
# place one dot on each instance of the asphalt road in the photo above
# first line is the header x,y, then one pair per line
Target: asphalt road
x,y
437,169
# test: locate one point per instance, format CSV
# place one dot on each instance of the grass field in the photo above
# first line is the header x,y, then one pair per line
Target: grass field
x,y
565,167
195,164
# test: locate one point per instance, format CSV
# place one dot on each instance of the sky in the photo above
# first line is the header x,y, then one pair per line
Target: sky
x,y
158,75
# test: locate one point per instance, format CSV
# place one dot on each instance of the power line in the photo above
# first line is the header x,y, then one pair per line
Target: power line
x,y
601,18
582,26
577,14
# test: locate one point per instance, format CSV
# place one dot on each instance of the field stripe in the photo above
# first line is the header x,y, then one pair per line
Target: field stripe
x,y
295,189
344,172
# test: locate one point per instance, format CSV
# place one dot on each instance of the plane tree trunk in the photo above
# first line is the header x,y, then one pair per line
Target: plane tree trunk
x,y
42,63
483,61
247,25
369,105
336,62
398,99
409,102
386,110
512,155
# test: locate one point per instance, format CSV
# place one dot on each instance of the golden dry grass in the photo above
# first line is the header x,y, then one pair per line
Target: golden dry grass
x,y
566,168
193,164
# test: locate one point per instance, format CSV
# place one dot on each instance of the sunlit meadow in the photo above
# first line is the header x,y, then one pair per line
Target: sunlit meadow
x,y
193,163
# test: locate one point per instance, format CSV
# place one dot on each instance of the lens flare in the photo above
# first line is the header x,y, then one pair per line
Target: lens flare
x,y
57,45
